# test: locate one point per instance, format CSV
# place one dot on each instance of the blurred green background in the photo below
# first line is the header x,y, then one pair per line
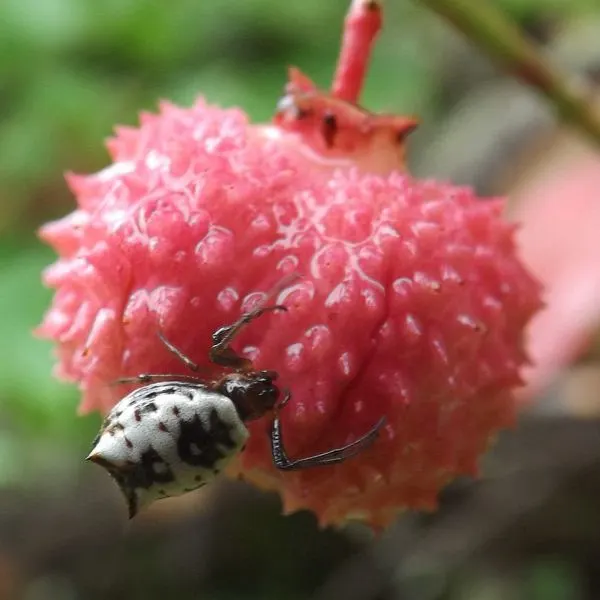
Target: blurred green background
x,y
72,69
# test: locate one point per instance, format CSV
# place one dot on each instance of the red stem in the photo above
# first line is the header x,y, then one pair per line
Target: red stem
x,y
362,24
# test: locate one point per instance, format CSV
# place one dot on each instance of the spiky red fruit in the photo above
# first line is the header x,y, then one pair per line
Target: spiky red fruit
x,y
412,301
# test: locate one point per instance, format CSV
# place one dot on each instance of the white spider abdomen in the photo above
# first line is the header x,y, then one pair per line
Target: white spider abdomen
x,y
165,439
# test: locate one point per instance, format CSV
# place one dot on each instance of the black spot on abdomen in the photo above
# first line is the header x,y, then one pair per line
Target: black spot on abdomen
x,y
195,445
148,407
142,474
200,447
220,431
146,474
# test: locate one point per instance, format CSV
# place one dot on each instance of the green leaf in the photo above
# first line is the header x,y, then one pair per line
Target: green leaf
x,y
31,398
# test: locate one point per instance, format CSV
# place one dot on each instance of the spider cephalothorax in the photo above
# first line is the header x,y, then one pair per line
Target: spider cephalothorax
x,y
176,433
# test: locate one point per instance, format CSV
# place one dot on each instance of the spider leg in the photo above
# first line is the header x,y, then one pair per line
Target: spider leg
x,y
333,456
221,352
150,377
188,362
286,398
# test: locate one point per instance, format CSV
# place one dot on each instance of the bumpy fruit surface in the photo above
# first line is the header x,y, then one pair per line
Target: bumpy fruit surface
x,y
411,305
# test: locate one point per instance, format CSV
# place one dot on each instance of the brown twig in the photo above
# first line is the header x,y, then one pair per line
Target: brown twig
x,y
488,27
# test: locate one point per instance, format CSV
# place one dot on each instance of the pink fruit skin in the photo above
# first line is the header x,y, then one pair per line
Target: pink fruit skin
x,y
558,208
411,305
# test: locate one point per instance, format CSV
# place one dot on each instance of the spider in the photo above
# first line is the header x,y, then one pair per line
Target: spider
x,y
176,433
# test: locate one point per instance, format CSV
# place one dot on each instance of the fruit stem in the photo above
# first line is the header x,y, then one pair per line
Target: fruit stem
x,y
487,26
361,26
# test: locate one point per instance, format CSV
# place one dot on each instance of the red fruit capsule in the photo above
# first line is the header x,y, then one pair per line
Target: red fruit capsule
x,y
411,306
